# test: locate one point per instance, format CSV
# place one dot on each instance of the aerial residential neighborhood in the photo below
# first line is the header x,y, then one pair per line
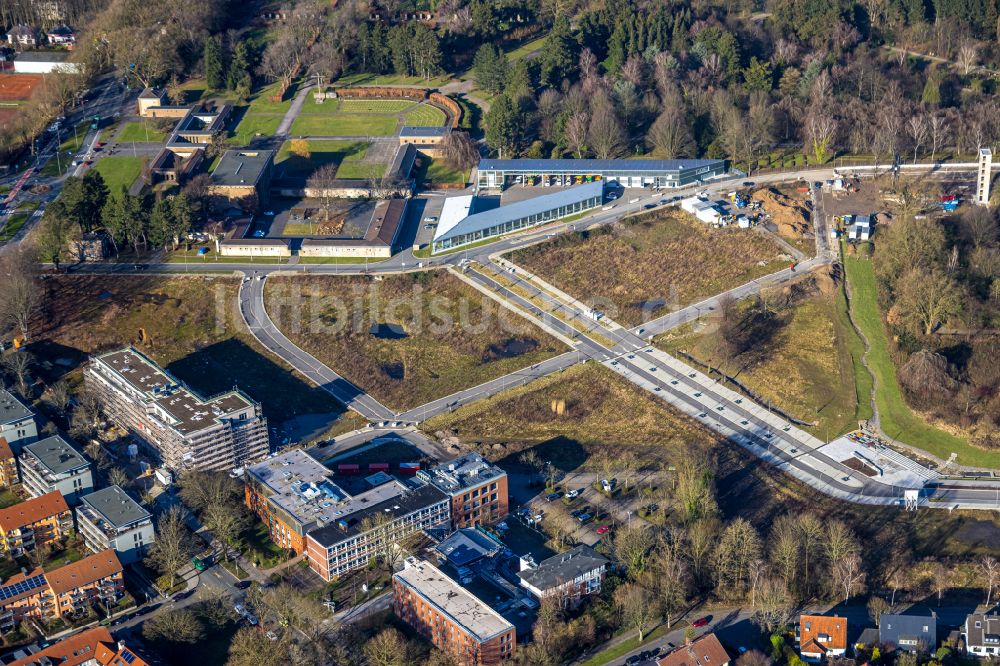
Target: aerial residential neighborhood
x,y
487,333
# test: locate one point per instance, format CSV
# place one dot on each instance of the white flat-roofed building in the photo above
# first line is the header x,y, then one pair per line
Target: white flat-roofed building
x,y
109,518
180,427
451,617
52,464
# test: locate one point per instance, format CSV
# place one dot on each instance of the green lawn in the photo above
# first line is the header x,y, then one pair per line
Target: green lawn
x,y
344,125
14,224
424,115
525,49
119,171
391,80
8,498
260,101
626,646
361,170
141,132
318,148
436,171
67,149
252,125
377,106
897,420
327,108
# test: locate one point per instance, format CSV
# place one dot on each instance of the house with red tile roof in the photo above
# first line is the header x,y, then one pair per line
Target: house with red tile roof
x,y
822,636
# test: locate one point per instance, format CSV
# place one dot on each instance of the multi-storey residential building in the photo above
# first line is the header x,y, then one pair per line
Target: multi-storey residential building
x,y
183,429
17,422
34,522
477,489
77,650
64,591
52,465
8,465
372,522
981,634
109,518
451,617
292,494
567,576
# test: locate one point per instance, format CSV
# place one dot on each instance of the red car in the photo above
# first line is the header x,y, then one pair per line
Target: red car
x,y
603,529
700,622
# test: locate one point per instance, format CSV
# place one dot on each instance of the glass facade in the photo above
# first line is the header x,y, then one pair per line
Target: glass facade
x,y
494,178
519,223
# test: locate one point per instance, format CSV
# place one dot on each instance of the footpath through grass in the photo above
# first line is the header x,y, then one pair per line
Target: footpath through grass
x,y
897,420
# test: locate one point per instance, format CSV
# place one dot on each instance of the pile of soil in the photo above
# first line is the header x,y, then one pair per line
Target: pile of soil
x,y
788,215
330,227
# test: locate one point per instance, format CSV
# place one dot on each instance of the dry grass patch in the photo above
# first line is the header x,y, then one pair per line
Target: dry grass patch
x,y
190,325
651,263
804,366
601,410
406,339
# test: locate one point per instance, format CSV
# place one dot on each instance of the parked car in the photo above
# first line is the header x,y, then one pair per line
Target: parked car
x,y
573,494
748,183
603,529
430,218
701,622
584,518
551,497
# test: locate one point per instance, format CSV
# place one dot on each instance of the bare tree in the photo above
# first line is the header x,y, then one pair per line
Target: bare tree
x,y
322,184
940,579
386,648
281,61
820,128
632,546
58,396
968,57
849,574
18,365
605,133
785,550
672,579
926,304
118,477
989,569
637,607
670,135
916,127
772,606
21,296
576,132
877,607
460,151
939,130
738,549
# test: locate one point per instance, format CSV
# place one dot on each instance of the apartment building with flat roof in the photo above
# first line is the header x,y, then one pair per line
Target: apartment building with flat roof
x,y
293,493
53,465
476,487
63,591
372,522
451,617
34,522
8,465
180,427
109,518
17,421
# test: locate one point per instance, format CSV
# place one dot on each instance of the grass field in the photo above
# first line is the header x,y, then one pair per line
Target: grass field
x,y
424,115
645,265
805,369
252,125
344,125
896,418
320,152
436,171
327,108
361,170
141,132
191,326
260,101
14,224
446,336
119,172
602,411
375,106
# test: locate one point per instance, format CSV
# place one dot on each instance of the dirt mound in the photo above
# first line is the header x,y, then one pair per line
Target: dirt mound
x,y
826,279
788,215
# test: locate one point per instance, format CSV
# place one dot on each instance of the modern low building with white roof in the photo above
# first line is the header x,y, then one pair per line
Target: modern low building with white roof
x,y
456,231
52,464
629,173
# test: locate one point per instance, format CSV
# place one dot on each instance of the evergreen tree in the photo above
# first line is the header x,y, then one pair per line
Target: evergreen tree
x,y
215,65
240,66
559,55
490,67
504,127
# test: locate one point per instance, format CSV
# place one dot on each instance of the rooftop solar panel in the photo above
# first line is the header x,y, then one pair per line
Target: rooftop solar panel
x,y
20,587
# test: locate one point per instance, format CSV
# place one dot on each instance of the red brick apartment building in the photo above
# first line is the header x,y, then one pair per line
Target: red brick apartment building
x,y
88,648
8,465
451,617
34,522
63,591
477,488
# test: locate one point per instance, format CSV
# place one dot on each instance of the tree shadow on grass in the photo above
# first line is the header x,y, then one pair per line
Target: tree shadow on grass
x,y
232,363
565,454
299,168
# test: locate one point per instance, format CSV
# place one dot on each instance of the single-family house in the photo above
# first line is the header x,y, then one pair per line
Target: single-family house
x,y
822,636
567,576
61,35
981,634
704,651
24,36
912,633
860,228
